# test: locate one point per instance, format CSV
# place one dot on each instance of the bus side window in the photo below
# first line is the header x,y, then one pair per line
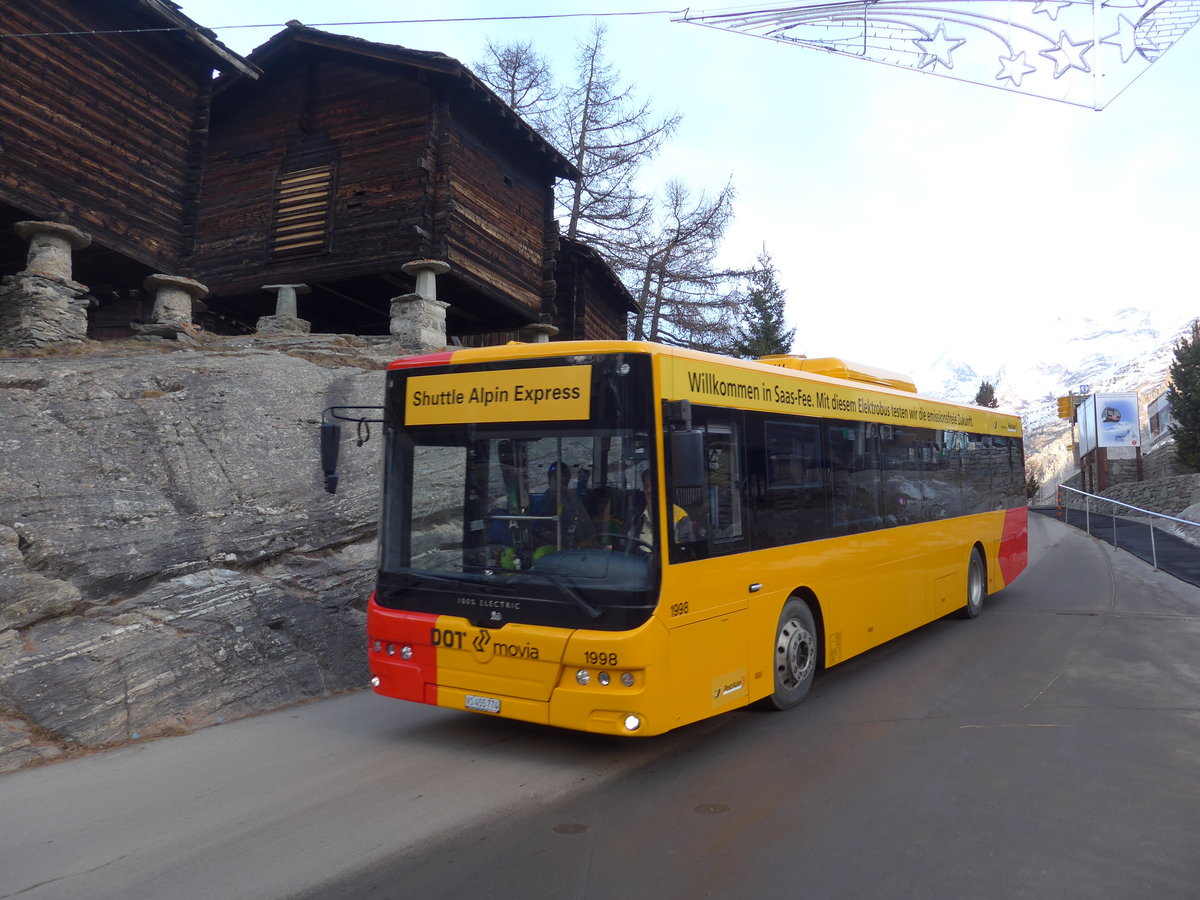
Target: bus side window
x,y
724,501
791,503
710,520
854,461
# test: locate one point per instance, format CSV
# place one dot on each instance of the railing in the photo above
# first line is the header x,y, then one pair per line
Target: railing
x,y
1087,506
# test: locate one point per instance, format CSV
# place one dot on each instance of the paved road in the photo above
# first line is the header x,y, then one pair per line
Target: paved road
x,y
1048,749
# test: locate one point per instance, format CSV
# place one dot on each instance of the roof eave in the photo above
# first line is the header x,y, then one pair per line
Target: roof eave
x,y
202,36
438,63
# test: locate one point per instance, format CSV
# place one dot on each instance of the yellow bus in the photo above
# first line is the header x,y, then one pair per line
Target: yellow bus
x,y
622,537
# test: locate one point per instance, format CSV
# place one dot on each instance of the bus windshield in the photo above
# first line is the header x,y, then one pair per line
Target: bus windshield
x,y
535,522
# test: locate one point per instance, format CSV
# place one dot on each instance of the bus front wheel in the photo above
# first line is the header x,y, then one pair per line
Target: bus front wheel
x,y
976,586
795,655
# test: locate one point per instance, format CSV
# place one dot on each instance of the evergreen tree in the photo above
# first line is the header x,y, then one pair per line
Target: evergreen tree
x,y
1184,397
986,396
763,329
1034,479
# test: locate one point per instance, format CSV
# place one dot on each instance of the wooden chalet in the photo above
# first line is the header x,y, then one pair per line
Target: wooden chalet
x,y
592,303
347,159
104,108
332,165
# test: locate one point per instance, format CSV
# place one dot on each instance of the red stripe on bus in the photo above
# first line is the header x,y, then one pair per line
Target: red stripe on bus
x,y
1014,543
403,679
428,359
420,626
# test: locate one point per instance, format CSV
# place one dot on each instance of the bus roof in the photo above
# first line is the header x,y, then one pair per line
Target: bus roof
x,y
853,377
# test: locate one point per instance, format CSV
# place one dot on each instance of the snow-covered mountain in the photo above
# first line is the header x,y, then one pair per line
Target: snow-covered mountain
x,y
1124,352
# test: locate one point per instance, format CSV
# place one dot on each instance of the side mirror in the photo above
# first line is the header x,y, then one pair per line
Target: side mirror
x,y
687,459
331,439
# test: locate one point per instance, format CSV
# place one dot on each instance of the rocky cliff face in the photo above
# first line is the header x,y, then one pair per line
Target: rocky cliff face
x,y
168,557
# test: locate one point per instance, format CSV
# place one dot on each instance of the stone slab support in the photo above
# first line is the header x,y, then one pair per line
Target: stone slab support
x,y
539,332
173,297
42,305
50,247
425,271
286,319
419,319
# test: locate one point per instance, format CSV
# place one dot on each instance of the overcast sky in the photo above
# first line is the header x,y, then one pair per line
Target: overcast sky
x,y
908,215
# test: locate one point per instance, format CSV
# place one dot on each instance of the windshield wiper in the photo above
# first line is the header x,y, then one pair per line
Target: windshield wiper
x,y
417,577
592,612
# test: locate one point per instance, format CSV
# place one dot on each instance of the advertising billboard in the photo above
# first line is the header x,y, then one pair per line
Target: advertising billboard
x,y
1109,420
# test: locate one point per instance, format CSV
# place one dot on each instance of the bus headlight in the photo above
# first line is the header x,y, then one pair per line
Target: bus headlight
x,y
406,652
603,678
632,723
582,676
627,679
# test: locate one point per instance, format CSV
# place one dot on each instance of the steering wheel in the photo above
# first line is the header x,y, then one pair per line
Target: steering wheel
x,y
631,543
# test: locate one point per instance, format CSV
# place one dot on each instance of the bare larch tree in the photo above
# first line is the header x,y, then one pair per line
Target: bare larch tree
x,y
684,299
608,135
522,78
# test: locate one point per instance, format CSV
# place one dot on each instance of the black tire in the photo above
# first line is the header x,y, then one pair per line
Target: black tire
x,y
976,586
794,655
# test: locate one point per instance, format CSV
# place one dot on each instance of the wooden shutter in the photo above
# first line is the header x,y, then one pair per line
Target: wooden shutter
x,y
302,211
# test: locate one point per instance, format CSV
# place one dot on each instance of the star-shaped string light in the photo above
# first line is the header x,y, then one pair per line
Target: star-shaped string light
x,y
1068,55
1051,7
937,49
1014,68
1126,39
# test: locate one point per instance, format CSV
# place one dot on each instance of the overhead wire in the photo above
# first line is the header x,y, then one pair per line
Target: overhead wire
x,y
438,21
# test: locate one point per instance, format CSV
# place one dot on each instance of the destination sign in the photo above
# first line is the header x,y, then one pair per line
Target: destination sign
x,y
552,393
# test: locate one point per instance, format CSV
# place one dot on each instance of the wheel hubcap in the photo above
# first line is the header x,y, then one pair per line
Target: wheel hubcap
x,y
794,653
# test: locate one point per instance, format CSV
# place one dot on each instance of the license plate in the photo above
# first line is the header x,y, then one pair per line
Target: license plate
x,y
483,704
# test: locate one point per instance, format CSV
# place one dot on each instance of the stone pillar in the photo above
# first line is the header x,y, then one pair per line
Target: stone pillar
x,y
426,272
540,332
50,247
419,319
42,304
173,296
419,323
285,320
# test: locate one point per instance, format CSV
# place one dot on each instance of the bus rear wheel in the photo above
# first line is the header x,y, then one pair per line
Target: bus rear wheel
x,y
976,586
795,655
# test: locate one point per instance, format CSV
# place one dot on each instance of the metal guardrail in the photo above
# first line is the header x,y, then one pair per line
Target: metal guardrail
x,y
1088,498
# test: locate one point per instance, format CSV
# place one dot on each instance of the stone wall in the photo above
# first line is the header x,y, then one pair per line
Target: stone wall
x,y
168,556
1163,463
1167,486
1123,470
